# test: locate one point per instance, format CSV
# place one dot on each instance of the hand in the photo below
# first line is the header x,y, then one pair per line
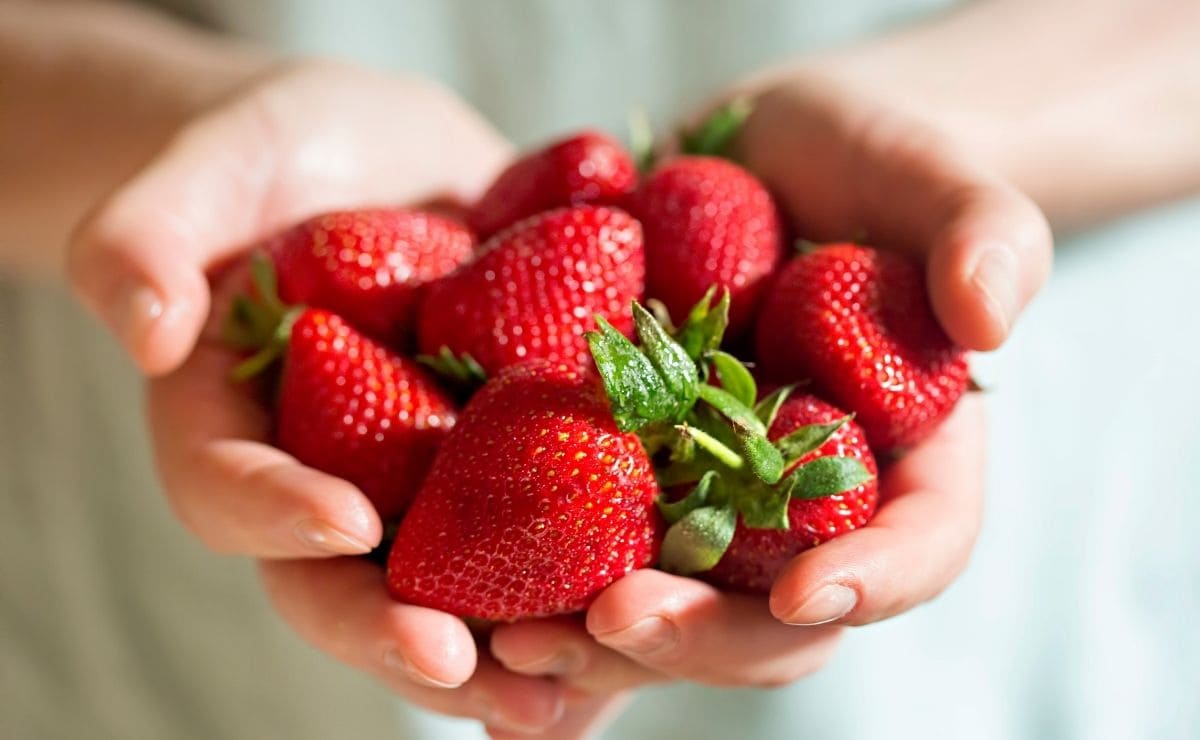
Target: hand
x,y
844,162
303,139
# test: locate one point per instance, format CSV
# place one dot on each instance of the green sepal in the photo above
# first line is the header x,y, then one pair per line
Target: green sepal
x,y
674,366
714,135
272,349
768,508
638,393
641,139
767,409
705,325
713,446
760,455
734,376
826,476
697,542
731,408
462,370
249,325
808,438
673,511
262,272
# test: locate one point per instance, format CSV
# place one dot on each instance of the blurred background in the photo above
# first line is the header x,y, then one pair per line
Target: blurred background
x,y
1075,619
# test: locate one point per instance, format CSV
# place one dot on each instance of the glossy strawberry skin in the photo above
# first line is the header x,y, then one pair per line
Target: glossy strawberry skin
x,y
589,167
857,322
368,265
535,288
534,504
352,408
707,221
756,556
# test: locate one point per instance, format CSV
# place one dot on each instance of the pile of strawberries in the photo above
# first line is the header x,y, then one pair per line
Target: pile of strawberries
x,y
543,394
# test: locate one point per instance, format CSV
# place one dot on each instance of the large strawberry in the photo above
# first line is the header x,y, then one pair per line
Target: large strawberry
x,y
857,321
756,555
707,222
588,167
368,265
536,502
534,289
344,404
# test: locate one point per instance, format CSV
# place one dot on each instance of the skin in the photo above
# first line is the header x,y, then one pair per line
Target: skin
x,y
876,139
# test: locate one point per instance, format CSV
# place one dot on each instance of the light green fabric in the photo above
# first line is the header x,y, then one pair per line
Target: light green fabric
x,y
1076,619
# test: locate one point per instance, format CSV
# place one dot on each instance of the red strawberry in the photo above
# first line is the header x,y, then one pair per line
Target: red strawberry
x,y
755,556
352,408
535,289
707,222
534,504
857,321
367,265
589,167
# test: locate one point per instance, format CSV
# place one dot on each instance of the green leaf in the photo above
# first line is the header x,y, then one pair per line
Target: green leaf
x,y
462,369
698,541
674,366
705,325
262,272
697,497
637,392
731,408
767,409
808,438
760,455
735,377
641,139
826,476
714,135
767,508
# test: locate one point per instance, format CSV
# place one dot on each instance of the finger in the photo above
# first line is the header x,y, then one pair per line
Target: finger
x,y
918,542
688,629
234,491
561,647
871,171
258,164
583,718
342,608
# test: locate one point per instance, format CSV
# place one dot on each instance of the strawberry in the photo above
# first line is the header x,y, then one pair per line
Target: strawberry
x,y
707,222
536,502
589,167
368,265
857,321
345,404
756,555
771,478
534,289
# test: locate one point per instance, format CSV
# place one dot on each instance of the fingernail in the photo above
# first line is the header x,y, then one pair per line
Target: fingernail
x,y
325,537
827,604
560,663
138,307
397,661
646,636
996,276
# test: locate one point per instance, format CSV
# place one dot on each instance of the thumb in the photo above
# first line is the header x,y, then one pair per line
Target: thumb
x,y
139,261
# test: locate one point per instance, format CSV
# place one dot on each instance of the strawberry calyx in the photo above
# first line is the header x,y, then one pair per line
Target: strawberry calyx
x,y
263,322
711,436
462,372
715,134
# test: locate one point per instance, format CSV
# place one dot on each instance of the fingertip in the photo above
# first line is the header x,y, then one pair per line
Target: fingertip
x,y
431,647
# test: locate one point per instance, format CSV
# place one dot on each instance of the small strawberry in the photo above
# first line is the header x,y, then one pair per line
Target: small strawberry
x,y
534,289
589,167
771,478
368,265
857,321
756,555
536,502
707,222
345,404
